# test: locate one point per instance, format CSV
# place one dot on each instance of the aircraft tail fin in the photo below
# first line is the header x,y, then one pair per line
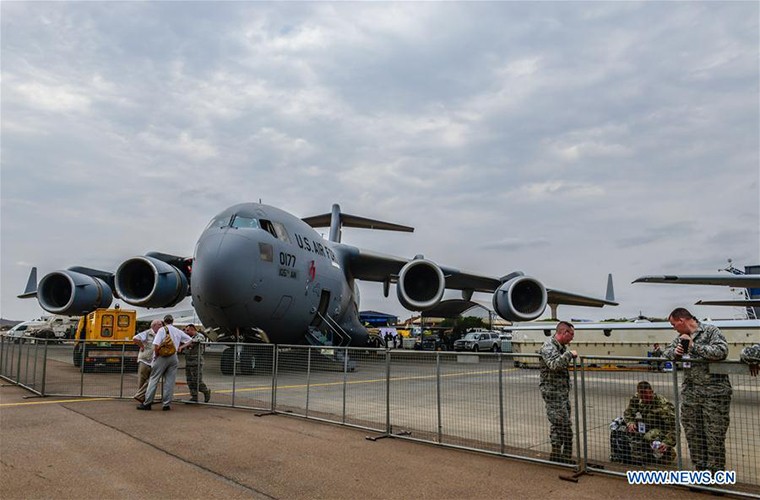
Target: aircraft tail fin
x,y
31,285
610,289
336,220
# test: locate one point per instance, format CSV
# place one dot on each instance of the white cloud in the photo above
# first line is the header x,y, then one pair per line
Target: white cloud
x,y
574,139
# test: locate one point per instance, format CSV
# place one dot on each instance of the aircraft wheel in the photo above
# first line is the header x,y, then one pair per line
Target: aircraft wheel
x,y
247,361
228,359
77,356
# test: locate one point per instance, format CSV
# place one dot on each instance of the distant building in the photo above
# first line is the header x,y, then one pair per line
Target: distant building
x,y
377,319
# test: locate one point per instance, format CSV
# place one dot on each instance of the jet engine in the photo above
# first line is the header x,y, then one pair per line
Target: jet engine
x,y
72,294
521,298
420,285
149,282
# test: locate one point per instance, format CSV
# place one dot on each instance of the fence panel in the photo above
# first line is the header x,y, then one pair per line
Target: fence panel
x,y
365,388
413,394
296,369
621,427
238,375
526,427
470,406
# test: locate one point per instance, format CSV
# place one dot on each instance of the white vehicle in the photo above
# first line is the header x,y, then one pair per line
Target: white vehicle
x,y
25,329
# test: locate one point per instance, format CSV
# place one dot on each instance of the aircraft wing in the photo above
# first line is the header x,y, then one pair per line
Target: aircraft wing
x,y
574,299
733,280
373,266
367,265
736,303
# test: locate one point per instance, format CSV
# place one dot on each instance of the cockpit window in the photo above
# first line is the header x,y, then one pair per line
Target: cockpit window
x,y
244,222
219,222
282,233
276,229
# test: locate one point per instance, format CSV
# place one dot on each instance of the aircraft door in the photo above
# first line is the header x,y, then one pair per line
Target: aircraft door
x,y
324,303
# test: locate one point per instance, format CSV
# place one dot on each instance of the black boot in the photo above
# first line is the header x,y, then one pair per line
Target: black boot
x,y
556,455
567,453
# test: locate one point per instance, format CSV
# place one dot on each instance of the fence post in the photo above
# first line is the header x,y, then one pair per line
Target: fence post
x,y
26,366
275,371
580,465
18,363
234,348
308,378
34,368
121,377
387,391
677,400
438,394
501,403
81,368
585,418
345,381
44,369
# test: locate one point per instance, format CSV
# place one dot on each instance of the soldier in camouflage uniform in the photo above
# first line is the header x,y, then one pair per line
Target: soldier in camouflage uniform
x,y
751,356
651,418
705,396
555,389
194,364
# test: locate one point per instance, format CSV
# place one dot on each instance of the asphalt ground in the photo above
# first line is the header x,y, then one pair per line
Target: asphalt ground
x,y
105,448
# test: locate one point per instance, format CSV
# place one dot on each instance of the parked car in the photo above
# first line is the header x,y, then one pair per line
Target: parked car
x,y
479,341
25,329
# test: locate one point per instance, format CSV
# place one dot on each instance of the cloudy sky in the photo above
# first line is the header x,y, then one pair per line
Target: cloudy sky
x,y
566,140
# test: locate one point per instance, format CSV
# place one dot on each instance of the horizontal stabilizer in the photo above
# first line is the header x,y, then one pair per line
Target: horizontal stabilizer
x,y
734,280
336,220
348,220
737,303
31,285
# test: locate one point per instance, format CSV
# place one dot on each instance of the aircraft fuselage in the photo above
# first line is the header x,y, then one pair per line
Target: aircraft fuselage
x,y
258,266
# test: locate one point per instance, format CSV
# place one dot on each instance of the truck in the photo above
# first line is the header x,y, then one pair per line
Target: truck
x,y
47,327
103,341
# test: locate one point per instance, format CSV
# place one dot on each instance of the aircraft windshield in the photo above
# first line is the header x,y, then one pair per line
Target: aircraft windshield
x,y
219,222
244,222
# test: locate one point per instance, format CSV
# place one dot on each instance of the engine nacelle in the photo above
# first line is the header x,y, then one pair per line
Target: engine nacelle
x,y
72,294
148,282
520,299
420,285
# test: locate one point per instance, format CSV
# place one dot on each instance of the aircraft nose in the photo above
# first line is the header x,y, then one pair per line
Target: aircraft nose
x,y
224,269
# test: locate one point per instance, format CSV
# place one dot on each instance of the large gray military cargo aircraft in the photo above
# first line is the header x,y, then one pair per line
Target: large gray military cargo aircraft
x,y
261,274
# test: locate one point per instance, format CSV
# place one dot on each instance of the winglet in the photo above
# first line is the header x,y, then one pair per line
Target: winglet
x,y
31,285
610,289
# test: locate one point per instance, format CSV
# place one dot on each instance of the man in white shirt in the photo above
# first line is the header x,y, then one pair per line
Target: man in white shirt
x,y
164,366
144,340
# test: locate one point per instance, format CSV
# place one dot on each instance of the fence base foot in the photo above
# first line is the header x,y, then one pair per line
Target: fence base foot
x,y
375,438
573,478
264,414
387,435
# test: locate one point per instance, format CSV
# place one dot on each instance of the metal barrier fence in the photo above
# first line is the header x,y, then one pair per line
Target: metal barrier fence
x,y
484,402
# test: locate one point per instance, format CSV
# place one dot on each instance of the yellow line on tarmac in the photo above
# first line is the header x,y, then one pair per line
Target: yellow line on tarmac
x,y
80,400
279,387
353,382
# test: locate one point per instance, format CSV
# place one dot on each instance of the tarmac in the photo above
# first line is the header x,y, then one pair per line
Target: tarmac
x,y
104,448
